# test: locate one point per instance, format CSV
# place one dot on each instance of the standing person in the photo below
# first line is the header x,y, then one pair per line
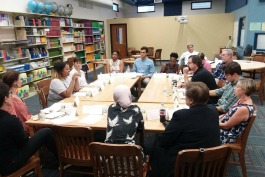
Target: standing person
x,y
228,98
193,128
60,88
18,107
16,146
115,65
219,75
200,75
183,60
78,69
124,119
235,121
205,64
144,66
172,66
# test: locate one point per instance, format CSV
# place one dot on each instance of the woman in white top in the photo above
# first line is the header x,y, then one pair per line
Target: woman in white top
x,y
115,65
77,68
60,88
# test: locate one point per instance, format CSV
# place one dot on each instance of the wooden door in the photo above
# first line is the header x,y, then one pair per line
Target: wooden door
x,y
119,39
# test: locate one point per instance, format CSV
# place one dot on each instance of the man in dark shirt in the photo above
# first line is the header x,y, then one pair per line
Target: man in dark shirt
x,y
200,74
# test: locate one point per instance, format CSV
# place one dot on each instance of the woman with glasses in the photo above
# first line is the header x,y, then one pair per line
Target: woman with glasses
x,y
234,122
18,107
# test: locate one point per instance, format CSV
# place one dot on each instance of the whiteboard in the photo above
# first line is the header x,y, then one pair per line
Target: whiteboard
x,y
260,42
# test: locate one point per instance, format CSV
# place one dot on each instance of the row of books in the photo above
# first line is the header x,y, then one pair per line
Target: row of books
x,y
5,20
14,53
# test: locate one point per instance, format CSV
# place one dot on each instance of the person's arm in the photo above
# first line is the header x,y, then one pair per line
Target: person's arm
x,y
240,115
68,92
172,131
140,127
163,68
17,130
121,66
229,103
212,93
108,66
151,70
135,66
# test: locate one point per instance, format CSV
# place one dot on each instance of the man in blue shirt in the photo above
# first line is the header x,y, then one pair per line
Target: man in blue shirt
x,y
145,66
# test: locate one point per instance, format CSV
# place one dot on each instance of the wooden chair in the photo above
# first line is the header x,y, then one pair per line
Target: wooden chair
x,y
73,148
157,56
202,162
239,147
135,52
33,163
150,51
115,160
43,91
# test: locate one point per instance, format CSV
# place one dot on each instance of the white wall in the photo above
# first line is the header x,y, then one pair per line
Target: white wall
x,y
131,11
218,6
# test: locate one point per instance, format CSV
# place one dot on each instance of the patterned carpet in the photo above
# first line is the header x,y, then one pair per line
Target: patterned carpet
x,y
255,151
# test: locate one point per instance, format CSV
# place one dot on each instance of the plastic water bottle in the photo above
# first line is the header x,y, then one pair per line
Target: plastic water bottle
x,y
162,113
128,69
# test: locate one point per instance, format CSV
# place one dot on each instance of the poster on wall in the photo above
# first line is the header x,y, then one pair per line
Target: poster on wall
x,y
255,26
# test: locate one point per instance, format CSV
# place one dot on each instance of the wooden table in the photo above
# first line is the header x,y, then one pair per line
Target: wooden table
x,y
246,65
129,61
107,93
154,91
95,63
136,56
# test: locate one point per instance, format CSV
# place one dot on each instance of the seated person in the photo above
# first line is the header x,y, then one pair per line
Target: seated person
x,y
193,128
77,68
228,98
115,65
205,64
219,75
200,75
60,88
172,66
18,108
16,146
144,65
183,60
124,119
234,122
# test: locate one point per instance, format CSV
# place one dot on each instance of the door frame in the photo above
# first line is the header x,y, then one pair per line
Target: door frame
x,y
111,48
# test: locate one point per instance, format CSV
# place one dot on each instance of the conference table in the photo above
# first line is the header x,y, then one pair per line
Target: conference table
x,y
97,62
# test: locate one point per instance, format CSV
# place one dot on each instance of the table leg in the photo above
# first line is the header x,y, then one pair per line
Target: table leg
x,y
139,87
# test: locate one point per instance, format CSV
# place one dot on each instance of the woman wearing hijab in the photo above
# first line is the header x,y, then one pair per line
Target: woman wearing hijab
x,y
124,119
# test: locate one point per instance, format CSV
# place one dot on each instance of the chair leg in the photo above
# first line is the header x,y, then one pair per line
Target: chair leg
x,y
261,96
61,169
243,164
38,171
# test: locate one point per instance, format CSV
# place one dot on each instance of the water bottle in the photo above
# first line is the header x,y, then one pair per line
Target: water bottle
x,y
128,69
162,113
180,72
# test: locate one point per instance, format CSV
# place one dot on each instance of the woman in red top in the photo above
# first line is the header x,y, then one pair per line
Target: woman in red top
x,y
18,107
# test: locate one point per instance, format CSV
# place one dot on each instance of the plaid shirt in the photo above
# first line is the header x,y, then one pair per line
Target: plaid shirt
x,y
218,72
228,98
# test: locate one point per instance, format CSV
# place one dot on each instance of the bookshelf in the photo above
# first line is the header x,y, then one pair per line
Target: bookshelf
x,y
33,43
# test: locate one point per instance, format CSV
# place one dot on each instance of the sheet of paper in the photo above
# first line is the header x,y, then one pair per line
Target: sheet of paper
x,y
80,94
93,109
63,120
91,119
152,114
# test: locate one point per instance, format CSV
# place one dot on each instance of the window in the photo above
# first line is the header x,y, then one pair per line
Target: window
x,y
115,7
201,5
241,32
142,9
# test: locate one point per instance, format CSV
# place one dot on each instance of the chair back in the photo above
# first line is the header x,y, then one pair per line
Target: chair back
x,y
158,53
202,162
43,91
135,52
243,138
260,58
115,160
73,144
150,51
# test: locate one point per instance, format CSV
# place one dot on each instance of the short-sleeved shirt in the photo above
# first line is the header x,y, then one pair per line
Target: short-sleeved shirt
x,y
228,98
218,72
81,80
145,67
123,124
57,86
114,66
202,75
168,69
185,56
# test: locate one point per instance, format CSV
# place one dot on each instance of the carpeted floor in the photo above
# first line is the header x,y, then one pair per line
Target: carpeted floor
x,y
255,151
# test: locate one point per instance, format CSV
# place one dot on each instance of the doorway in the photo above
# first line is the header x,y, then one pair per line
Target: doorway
x,y
118,39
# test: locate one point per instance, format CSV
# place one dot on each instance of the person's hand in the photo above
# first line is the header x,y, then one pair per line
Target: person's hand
x,y
75,76
186,70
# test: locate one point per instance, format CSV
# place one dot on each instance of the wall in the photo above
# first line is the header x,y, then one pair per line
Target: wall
x,y
93,11
131,11
218,6
204,31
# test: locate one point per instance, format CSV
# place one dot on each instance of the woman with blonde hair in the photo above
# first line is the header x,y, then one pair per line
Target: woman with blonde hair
x,y
234,122
60,87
